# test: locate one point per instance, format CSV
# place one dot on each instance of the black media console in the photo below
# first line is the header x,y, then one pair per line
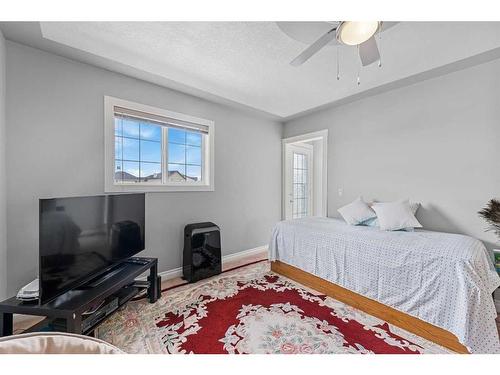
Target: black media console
x,y
106,294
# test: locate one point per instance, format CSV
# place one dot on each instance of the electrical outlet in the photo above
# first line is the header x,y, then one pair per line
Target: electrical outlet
x,y
340,191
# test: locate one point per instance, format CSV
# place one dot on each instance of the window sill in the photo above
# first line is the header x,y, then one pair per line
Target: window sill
x,y
136,188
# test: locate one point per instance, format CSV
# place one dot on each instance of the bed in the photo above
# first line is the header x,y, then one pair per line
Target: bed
x,y
437,285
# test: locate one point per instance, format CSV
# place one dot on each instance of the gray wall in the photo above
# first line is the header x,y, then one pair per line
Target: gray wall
x,y
3,224
55,148
436,142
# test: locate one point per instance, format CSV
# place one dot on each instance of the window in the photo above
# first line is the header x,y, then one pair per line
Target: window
x,y
300,186
184,155
151,149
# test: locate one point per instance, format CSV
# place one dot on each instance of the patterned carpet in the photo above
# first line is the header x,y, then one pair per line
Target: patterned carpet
x,y
252,310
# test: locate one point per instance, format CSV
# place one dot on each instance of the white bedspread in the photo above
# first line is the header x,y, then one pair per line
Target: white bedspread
x,y
444,279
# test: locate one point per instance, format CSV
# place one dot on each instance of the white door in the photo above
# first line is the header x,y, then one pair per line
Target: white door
x,y
298,179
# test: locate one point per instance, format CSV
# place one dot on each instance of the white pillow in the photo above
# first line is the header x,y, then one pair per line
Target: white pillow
x,y
356,212
373,222
395,215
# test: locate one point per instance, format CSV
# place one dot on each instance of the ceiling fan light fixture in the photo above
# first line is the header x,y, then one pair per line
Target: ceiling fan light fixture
x,y
356,32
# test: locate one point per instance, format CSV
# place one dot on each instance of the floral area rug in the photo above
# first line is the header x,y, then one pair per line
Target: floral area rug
x,y
252,310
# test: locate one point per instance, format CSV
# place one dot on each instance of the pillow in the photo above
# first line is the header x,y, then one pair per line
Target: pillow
x,y
395,215
356,212
373,222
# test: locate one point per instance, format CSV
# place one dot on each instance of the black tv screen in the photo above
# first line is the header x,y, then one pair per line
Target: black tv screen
x,y
84,236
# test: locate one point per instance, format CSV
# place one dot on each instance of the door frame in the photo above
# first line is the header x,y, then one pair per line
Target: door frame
x,y
307,137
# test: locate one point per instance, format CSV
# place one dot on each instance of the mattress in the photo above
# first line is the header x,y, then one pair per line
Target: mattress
x,y
444,279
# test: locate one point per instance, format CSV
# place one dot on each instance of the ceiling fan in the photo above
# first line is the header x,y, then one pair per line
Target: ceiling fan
x,y
350,33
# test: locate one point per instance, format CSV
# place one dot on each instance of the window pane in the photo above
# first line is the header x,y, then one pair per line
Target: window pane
x,y
150,131
296,176
130,149
176,172
300,206
176,135
118,126
118,147
151,151
176,153
193,139
299,191
193,155
118,171
130,171
298,163
130,128
151,172
193,173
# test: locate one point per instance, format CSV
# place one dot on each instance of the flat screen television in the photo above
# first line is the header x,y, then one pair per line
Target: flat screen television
x,y
82,237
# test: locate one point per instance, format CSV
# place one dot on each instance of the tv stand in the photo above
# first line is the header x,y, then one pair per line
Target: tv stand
x,y
70,307
102,278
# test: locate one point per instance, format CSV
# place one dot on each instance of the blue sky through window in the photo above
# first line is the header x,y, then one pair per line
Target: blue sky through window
x,y
138,152
184,155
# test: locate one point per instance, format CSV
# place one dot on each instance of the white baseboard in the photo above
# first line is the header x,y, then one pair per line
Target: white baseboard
x,y
170,274
177,272
244,253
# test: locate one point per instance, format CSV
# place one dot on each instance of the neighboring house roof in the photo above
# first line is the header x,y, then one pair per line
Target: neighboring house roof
x,y
120,175
172,175
178,176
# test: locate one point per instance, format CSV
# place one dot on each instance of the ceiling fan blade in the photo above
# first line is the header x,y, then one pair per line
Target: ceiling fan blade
x,y
314,48
368,52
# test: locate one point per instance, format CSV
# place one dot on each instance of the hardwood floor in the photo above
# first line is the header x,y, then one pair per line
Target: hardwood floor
x,y
225,266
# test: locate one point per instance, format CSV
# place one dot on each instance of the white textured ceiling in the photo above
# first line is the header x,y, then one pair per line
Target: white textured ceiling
x,y
248,62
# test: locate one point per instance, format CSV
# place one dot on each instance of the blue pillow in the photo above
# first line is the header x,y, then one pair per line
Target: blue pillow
x,y
372,222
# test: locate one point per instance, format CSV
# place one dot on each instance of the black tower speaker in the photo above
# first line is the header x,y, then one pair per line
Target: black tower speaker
x,y
202,251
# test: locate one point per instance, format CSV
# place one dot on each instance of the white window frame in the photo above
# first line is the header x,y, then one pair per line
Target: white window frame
x,y
208,167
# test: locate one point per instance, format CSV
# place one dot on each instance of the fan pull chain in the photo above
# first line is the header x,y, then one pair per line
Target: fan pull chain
x,y
338,64
359,68
380,46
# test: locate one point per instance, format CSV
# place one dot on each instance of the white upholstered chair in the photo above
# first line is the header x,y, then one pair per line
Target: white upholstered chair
x,y
55,343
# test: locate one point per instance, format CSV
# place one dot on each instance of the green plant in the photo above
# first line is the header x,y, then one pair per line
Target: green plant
x,y
491,213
